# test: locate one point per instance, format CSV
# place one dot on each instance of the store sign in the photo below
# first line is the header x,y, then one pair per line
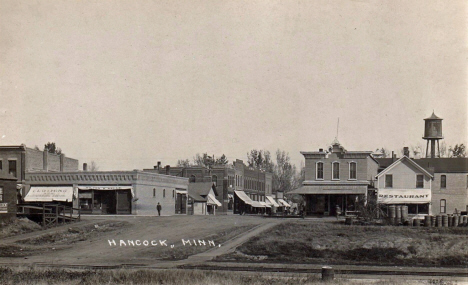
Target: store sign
x,y
49,194
3,207
404,196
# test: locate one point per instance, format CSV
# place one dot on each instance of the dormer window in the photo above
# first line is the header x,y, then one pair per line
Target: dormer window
x,y
335,171
319,174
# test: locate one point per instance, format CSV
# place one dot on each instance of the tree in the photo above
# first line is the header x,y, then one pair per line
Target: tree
x,y
383,151
443,152
36,147
93,166
284,172
222,160
52,148
458,150
183,163
260,159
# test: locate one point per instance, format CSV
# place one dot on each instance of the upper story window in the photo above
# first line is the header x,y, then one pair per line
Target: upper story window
x,y
192,178
443,181
1,194
466,180
12,167
164,193
388,181
214,179
443,206
1,165
173,193
352,171
419,181
335,170
319,174
154,192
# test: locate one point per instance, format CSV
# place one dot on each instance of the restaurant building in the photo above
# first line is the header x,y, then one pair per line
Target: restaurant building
x,y
109,192
405,183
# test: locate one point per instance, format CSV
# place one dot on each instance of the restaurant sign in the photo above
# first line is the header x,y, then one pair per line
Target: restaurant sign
x,y
404,196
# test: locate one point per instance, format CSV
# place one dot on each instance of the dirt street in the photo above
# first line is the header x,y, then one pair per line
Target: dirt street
x,y
96,250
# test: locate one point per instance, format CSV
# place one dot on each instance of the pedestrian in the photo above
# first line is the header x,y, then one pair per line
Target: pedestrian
x,y
337,211
158,207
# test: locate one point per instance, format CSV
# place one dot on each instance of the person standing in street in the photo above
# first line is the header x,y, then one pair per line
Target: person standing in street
x,y
158,207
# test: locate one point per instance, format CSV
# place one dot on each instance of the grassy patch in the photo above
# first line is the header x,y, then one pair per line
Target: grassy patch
x,y
302,242
17,227
73,234
168,277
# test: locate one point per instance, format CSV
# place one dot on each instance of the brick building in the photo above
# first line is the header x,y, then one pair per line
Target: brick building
x,y
18,160
228,179
109,192
336,177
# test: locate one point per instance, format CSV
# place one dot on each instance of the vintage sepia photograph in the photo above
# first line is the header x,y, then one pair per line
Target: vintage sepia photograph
x,y
227,142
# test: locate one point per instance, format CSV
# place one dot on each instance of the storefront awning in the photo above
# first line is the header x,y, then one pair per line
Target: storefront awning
x,y
105,188
284,203
49,194
213,201
403,196
272,201
265,204
243,197
184,192
317,190
257,204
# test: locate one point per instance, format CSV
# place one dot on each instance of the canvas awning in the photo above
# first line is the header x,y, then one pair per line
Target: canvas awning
x,y
49,194
105,188
284,203
265,204
179,191
272,201
257,204
243,197
403,196
213,201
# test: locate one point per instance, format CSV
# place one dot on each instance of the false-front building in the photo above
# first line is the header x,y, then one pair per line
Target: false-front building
x,y
336,178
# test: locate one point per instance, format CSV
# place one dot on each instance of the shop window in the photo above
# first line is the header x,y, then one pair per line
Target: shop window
x,y
419,181
443,206
352,171
443,181
319,174
12,167
192,178
336,171
154,192
388,181
164,193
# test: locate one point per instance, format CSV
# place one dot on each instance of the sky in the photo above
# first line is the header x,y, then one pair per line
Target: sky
x,y
130,83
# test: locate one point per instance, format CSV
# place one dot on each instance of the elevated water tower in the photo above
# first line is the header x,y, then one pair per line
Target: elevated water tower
x,y
433,133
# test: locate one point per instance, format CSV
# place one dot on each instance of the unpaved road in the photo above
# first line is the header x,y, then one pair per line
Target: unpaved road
x,y
97,250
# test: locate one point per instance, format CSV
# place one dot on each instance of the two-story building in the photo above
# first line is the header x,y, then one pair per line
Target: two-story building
x,y
336,177
238,186
405,183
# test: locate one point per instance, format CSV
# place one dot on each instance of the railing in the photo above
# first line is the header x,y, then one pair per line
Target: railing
x,y
51,213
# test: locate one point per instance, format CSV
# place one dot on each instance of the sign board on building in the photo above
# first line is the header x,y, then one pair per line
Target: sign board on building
x,y
3,207
49,194
404,196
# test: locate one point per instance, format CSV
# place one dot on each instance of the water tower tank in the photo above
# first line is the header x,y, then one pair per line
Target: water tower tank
x,y
433,127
